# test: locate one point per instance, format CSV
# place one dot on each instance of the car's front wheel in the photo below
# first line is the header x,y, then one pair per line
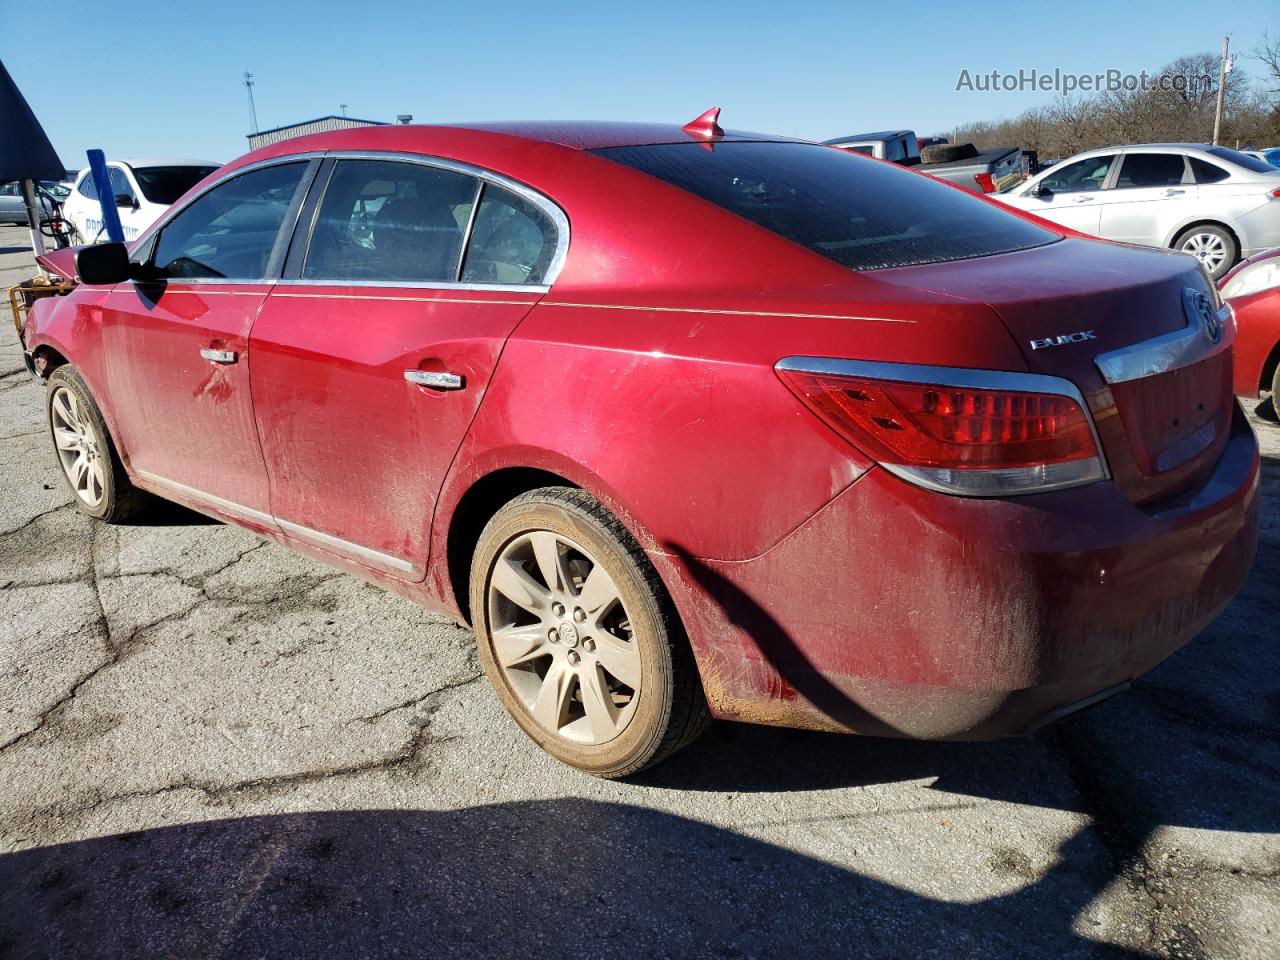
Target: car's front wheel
x,y
578,637
1214,247
87,457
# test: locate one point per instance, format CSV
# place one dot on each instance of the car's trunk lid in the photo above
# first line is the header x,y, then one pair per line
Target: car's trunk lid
x,y
1126,325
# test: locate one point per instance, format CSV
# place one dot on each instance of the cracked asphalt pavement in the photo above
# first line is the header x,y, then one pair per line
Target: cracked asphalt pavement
x,y
211,747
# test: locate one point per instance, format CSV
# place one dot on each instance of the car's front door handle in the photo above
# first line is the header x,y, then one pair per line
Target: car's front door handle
x,y
1085,199
218,356
436,379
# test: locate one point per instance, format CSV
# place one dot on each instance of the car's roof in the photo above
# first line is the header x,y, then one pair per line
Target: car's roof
x,y
1199,147
594,135
877,135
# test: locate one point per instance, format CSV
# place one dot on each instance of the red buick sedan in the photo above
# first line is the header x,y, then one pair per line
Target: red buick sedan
x,y
684,423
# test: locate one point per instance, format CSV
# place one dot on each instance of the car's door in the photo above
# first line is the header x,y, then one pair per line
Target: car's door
x,y
179,340
372,354
1152,191
1070,194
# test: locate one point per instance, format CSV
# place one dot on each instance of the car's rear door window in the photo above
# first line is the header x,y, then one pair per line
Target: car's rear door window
x,y
512,240
1151,170
390,221
858,212
230,231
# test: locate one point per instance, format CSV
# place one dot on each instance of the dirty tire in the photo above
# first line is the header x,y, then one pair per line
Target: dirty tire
x,y
948,152
120,500
669,709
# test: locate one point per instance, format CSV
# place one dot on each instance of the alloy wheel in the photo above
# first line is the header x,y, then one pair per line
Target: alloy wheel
x,y
80,449
562,638
1210,248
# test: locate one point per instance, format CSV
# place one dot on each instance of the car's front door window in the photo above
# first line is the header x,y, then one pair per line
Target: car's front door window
x,y
1083,175
230,232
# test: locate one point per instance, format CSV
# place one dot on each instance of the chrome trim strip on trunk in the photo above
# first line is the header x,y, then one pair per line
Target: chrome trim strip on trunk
x,y
1172,351
296,530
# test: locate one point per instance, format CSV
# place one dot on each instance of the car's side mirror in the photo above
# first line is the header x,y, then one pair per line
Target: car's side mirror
x,y
124,200
102,263
1042,190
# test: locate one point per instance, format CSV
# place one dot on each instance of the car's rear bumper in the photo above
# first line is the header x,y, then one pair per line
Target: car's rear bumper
x,y
894,611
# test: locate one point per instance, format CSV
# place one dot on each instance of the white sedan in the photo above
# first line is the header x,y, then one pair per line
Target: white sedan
x,y
1217,204
143,190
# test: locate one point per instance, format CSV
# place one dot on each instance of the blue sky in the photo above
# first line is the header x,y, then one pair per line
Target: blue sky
x,y
164,79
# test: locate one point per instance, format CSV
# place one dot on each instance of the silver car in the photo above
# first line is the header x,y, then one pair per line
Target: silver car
x,y
13,208
1215,203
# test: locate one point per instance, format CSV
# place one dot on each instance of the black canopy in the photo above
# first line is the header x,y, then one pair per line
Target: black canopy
x,y
25,151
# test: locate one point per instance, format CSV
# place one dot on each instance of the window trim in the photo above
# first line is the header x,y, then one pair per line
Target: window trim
x,y
289,271
303,233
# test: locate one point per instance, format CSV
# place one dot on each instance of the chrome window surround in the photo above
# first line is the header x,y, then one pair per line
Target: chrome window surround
x,y
1076,473
1172,351
549,207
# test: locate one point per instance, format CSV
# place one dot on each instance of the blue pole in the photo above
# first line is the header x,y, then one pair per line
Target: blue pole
x,y
106,196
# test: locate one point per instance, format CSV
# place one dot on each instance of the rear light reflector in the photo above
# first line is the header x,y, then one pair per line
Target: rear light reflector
x,y
986,181
968,432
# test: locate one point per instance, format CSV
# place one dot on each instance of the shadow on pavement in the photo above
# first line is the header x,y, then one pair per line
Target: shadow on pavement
x,y
558,878
166,513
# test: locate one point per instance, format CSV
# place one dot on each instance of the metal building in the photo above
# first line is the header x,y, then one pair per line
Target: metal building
x,y
318,125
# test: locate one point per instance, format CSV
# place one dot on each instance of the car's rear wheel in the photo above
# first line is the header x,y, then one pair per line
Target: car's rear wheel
x,y
87,457
579,638
1213,246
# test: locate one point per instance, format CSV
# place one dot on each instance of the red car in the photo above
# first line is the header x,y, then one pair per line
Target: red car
x,y
682,422
1253,290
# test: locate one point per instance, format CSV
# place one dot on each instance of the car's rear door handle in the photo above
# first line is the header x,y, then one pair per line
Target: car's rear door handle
x,y
436,379
1174,193
218,356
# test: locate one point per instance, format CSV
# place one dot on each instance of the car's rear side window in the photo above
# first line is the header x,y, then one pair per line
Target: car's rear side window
x,y
393,221
1206,172
512,240
858,212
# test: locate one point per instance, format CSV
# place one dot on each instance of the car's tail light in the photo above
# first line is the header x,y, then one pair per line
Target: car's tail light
x,y
987,181
968,432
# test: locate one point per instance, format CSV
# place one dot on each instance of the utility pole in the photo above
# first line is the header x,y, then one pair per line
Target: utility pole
x,y
253,110
343,108
1224,67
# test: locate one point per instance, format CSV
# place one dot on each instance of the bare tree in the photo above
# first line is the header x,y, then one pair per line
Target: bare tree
x,y
1268,54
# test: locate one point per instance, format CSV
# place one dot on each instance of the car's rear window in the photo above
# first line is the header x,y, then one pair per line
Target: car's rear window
x,y
1241,159
167,184
860,213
